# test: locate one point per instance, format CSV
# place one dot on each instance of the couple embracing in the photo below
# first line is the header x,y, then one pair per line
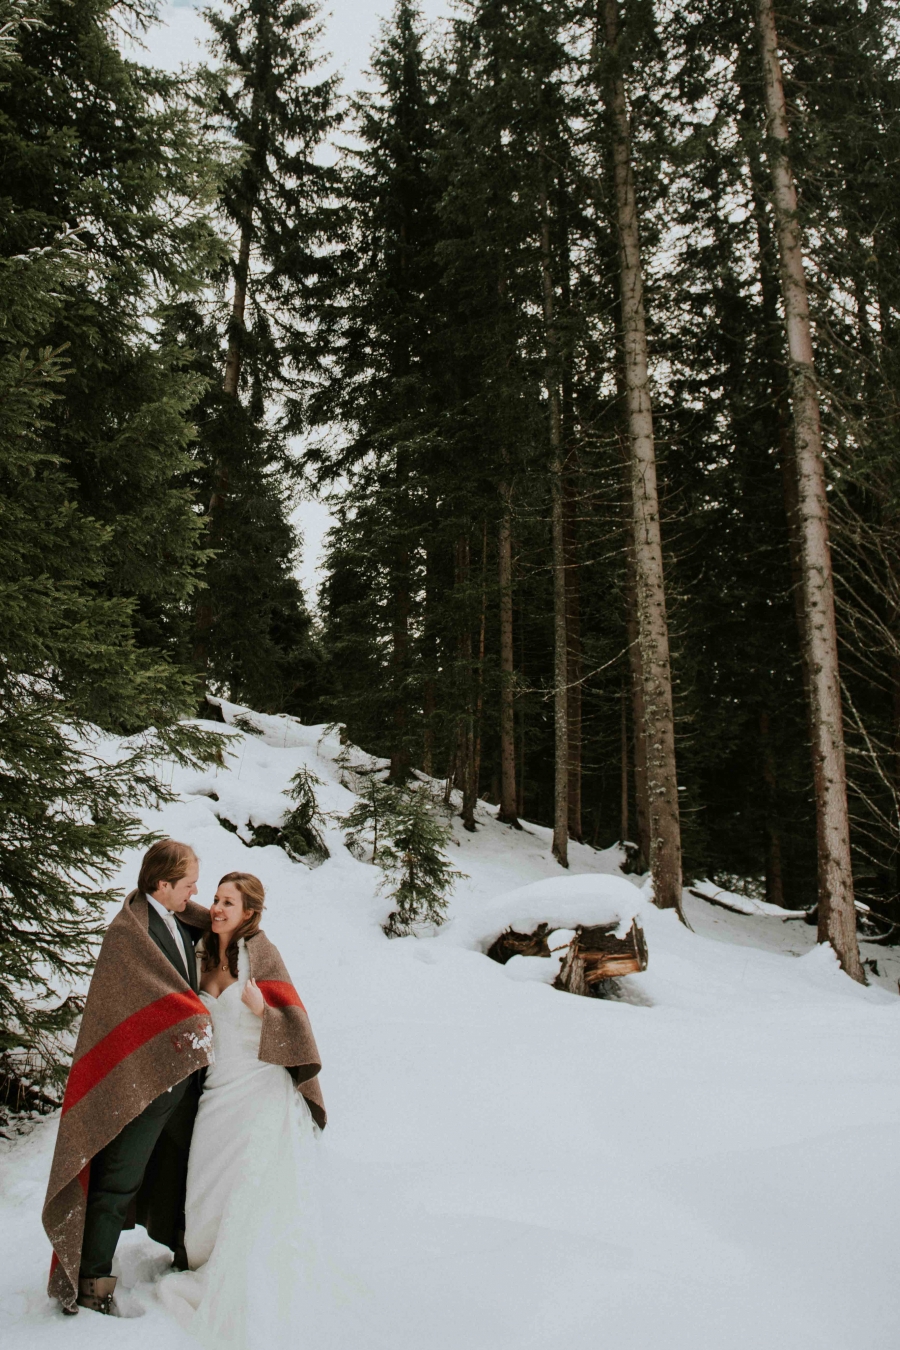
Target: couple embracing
x,y
192,1107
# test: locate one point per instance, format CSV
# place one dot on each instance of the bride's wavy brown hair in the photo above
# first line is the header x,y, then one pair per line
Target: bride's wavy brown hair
x,y
253,896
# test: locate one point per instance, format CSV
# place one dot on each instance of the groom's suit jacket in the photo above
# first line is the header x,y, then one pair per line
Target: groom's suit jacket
x,y
159,1204
184,960
144,1031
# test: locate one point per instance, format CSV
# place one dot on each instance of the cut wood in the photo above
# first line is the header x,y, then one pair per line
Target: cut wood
x,y
597,954
594,956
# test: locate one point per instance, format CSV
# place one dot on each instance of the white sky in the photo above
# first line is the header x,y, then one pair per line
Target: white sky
x,y
351,27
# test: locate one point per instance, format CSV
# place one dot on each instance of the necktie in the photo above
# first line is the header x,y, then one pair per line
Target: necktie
x,y
176,936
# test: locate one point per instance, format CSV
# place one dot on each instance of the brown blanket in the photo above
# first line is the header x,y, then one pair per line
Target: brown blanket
x,y
143,1031
286,1036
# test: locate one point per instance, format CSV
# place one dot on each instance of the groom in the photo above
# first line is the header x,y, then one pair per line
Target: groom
x,y
131,1097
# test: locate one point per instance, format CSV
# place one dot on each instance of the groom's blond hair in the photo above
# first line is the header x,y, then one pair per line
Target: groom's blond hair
x,y
166,860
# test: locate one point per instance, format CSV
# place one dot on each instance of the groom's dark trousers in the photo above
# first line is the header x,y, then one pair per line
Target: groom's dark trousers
x,y
149,1155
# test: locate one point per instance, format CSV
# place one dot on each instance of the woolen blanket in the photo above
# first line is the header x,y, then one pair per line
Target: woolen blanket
x,y
286,1036
143,1031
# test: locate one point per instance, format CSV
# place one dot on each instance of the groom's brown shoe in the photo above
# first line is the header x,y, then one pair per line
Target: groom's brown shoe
x,y
97,1294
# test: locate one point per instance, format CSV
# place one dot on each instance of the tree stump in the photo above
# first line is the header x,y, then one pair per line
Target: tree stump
x,y
596,955
593,957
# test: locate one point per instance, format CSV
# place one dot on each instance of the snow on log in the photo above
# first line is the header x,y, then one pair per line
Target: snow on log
x,y
589,900
588,922
743,904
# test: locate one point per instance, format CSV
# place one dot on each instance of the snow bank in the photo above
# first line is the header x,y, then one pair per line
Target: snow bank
x,y
511,1168
561,902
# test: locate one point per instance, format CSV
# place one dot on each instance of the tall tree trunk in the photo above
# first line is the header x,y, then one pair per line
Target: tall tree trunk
x,y
665,830
560,636
203,621
520,761
623,758
638,720
482,633
429,690
837,913
768,280
507,813
430,656
429,711
571,497
574,669
400,758
237,328
774,870
465,735
894,762
632,629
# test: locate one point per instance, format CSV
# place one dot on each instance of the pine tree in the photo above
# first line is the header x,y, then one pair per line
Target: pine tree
x,y
252,627
505,209
408,840
382,385
511,395
94,142
67,807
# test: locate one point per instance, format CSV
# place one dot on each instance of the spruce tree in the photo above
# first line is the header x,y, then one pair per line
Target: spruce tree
x,y
67,648
92,141
253,634
402,826
382,386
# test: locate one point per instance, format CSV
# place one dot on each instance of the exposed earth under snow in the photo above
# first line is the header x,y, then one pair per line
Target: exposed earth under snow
x,y
709,1161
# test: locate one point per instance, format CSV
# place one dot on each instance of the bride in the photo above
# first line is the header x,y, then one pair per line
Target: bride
x,y
251,1236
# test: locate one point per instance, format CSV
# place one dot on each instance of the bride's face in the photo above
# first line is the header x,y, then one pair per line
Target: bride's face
x,y
227,911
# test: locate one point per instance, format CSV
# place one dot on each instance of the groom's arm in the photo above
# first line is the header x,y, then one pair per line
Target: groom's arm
x,y
195,916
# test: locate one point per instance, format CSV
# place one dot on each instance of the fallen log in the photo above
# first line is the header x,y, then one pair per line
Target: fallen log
x,y
596,955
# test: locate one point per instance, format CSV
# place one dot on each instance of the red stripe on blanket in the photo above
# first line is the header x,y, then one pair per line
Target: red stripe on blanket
x,y
124,1039
279,994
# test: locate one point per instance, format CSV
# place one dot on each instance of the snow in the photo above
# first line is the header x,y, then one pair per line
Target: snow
x,y
561,901
707,1163
746,904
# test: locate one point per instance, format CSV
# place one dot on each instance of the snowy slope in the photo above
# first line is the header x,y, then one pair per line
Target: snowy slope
x,y
709,1162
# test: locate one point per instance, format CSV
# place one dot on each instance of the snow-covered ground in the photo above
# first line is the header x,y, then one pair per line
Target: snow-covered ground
x,y
710,1161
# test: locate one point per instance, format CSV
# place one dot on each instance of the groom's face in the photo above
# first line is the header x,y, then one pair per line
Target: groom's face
x,y
175,894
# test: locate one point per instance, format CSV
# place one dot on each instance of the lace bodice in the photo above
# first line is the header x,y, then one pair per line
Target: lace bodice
x,y
236,1031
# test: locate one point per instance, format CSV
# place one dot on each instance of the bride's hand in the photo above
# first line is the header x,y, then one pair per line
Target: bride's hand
x,y
254,1000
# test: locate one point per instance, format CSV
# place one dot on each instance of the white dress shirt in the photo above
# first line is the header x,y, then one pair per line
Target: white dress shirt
x,y
168,919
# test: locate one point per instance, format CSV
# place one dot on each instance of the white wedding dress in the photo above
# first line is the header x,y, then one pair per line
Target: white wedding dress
x,y
252,1236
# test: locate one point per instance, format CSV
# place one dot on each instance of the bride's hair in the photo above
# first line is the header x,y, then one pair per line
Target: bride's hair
x,y
253,896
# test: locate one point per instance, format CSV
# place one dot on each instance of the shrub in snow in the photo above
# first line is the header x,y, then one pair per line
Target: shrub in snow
x,y
407,839
299,833
366,823
301,837
246,724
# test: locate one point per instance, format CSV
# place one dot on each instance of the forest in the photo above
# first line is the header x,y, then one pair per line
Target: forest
x,y
583,318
